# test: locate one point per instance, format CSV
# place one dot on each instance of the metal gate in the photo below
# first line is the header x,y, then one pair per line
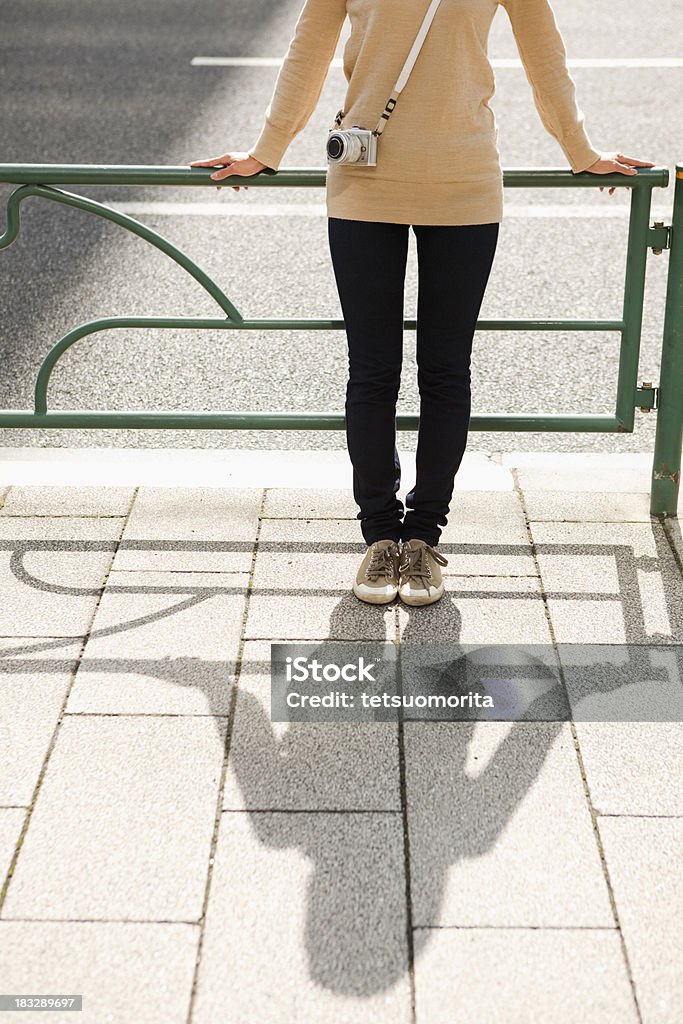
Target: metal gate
x,y
665,397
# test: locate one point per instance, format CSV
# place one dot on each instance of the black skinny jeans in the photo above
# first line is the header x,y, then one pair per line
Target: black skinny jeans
x,y
454,264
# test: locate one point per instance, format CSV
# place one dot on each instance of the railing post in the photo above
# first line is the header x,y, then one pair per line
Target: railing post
x,y
633,302
666,467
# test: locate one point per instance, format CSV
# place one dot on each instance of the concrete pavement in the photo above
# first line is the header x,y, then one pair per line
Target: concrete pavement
x,y
173,855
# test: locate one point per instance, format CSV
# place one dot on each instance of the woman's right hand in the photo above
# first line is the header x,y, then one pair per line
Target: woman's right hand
x,y
232,163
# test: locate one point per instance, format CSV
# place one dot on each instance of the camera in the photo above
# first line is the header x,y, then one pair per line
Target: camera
x,y
352,146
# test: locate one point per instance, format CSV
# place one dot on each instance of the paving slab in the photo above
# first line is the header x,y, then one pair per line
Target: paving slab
x,y
305,765
124,971
641,582
515,976
11,824
483,508
486,534
584,479
631,766
162,643
585,462
34,679
493,558
198,529
310,534
311,617
485,609
307,554
310,503
640,540
53,500
644,857
627,702
584,573
306,921
123,822
489,510
301,585
51,573
500,832
615,506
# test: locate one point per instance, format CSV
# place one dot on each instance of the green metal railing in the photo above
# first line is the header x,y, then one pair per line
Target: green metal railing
x,y
666,397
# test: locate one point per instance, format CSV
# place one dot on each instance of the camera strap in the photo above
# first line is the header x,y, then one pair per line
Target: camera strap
x,y
405,73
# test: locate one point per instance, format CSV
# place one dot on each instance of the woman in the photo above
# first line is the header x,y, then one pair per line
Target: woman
x,y
438,170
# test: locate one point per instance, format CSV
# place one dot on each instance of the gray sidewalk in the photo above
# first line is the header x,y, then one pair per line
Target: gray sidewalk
x,y
174,856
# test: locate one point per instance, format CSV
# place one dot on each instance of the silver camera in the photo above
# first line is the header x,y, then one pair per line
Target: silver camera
x,y
352,146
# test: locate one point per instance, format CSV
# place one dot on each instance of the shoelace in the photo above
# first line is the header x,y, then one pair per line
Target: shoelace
x,y
381,563
415,564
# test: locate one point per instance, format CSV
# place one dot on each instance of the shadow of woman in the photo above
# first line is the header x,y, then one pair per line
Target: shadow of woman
x,y
401,811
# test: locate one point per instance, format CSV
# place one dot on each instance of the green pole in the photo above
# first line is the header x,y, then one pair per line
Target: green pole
x,y
666,467
634,291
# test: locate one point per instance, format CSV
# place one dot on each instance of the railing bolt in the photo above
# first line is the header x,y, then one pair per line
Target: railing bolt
x,y
657,252
646,384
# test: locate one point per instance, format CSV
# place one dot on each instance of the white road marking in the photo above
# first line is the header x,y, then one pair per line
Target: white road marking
x,y
230,208
237,206
499,62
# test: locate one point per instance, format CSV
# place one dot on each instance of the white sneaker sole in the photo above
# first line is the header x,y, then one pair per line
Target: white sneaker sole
x,y
417,598
373,595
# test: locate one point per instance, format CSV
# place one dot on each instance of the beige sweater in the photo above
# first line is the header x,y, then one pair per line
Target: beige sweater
x,y
437,157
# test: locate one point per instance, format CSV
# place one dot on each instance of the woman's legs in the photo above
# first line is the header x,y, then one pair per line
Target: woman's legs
x,y
369,261
454,264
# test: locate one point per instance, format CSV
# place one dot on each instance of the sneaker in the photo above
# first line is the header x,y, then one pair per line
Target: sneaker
x,y
377,578
420,580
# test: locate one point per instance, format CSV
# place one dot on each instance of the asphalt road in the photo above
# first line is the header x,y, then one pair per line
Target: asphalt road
x,y
83,82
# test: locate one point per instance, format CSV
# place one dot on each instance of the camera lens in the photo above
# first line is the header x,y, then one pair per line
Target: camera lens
x,y
335,146
344,147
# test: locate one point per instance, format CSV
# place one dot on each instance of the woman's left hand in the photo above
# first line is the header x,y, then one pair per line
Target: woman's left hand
x,y
611,162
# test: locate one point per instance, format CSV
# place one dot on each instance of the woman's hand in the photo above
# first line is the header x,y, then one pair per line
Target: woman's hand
x,y
233,163
611,162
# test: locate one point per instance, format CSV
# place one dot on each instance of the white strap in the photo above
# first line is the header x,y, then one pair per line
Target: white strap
x,y
408,66
417,46
405,73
